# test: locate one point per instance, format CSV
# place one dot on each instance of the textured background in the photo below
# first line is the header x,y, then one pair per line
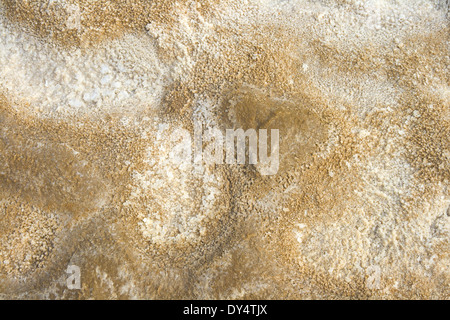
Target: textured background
x,y
90,92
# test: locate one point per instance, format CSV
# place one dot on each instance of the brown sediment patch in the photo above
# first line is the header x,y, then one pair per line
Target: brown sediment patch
x,y
44,170
423,73
54,178
27,237
314,177
301,129
428,145
427,104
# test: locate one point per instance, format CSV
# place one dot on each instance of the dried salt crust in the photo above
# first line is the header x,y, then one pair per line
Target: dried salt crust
x,y
359,209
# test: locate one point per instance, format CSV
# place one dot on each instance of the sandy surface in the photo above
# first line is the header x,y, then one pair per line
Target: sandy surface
x,y
91,91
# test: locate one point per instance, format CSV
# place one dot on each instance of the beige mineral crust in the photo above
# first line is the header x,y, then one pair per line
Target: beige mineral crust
x,y
91,92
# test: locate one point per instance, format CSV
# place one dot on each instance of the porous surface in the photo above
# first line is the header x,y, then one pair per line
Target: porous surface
x,y
91,92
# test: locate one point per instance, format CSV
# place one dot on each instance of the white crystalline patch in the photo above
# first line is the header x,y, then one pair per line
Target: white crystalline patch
x,y
180,198
124,75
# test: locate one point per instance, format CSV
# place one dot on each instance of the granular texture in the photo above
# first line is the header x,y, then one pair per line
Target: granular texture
x,y
91,93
